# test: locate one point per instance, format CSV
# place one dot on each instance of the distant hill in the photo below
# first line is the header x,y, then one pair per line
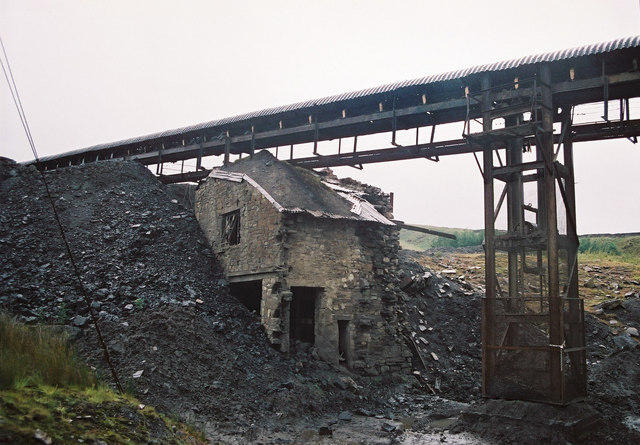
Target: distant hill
x,y
412,240
626,245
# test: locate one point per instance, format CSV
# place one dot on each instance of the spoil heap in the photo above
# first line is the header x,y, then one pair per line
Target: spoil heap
x,y
181,343
176,337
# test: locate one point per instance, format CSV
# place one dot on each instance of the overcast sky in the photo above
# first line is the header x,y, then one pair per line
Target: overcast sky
x,y
91,72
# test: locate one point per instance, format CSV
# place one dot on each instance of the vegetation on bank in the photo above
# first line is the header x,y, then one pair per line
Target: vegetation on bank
x,y
625,249
39,355
47,395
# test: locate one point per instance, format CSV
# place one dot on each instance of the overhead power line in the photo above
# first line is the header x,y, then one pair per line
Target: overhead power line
x,y
8,74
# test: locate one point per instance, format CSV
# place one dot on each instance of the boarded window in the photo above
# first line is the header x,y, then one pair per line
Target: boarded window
x,y
231,227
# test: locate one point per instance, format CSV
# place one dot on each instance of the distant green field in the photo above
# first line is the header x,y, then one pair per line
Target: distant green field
x,y
626,248
422,241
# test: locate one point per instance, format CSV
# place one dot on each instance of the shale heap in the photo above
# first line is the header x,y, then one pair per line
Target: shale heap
x,y
177,338
180,342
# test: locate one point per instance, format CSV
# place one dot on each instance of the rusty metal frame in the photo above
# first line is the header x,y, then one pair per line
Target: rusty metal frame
x,y
511,327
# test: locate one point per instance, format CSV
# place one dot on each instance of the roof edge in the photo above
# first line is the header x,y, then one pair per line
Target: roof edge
x,y
565,54
360,206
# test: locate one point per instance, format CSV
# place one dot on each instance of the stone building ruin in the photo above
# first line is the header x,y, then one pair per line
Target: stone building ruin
x,y
313,258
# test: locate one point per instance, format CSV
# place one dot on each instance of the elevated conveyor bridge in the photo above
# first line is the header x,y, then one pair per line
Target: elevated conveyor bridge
x,y
519,115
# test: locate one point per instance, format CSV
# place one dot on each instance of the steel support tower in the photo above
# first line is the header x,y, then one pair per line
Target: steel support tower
x,y
533,344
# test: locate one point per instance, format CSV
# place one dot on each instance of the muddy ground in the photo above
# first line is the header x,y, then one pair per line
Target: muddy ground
x,y
180,342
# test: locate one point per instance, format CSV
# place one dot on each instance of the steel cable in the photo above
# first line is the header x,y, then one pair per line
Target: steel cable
x,y
85,295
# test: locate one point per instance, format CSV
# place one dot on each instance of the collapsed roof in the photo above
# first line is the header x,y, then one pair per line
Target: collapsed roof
x,y
296,190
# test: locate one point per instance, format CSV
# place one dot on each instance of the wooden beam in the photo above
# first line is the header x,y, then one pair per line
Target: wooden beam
x,y
402,225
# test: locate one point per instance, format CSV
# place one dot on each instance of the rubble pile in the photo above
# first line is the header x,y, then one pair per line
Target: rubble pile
x,y
176,336
382,202
606,282
135,248
443,327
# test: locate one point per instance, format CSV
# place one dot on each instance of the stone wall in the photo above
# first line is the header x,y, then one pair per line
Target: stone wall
x,y
326,254
259,250
386,345
355,264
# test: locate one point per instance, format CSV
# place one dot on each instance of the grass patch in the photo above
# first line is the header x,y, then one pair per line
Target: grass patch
x,y
619,248
48,394
72,415
624,249
38,355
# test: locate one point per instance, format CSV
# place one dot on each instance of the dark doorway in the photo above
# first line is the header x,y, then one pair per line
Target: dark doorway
x,y
344,343
248,293
303,314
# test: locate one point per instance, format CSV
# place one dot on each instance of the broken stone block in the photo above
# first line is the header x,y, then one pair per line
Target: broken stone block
x,y
79,321
624,341
614,286
611,304
42,437
387,427
364,412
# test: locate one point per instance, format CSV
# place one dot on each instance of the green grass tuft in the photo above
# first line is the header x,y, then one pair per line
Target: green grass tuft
x,y
606,246
38,355
45,387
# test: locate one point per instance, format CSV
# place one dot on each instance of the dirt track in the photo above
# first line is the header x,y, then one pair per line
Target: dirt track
x,y
165,310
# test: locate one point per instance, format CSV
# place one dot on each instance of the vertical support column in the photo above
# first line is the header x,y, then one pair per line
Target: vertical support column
x,y
252,149
227,149
515,224
576,335
159,165
199,158
556,336
488,313
572,230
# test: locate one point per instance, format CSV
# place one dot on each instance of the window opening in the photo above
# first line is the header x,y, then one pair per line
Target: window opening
x,y
231,227
249,293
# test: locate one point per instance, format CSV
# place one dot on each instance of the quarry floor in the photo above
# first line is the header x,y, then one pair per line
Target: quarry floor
x,y
181,343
